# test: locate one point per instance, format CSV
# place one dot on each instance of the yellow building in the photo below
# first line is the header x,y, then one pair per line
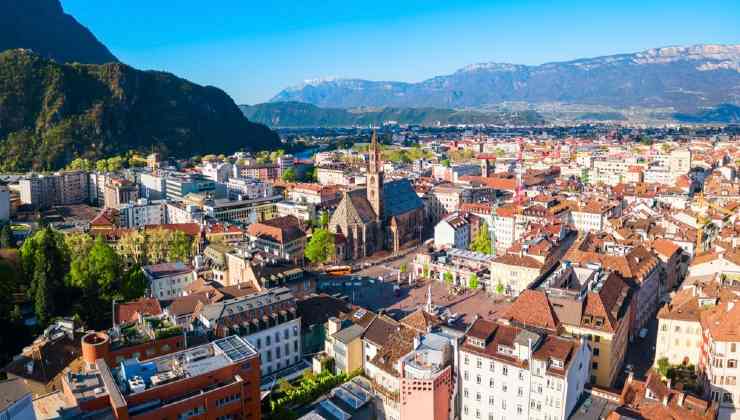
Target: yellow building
x,y
344,345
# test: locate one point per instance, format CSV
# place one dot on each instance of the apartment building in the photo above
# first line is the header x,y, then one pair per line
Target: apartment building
x,y
452,232
591,215
118,191
247,189
428,387
218,380
4,202
319,195
679,327
242,211
141,213
720,352
280,237
446,199
152,186
216,171
267,320
168,280
178,185
509,372
578,302
61,188
304,212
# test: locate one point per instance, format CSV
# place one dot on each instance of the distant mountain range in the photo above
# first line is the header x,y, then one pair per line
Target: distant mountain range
x,y
686,78
42,26
298,114
723,114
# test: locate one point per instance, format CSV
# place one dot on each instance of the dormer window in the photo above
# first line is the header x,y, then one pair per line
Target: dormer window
x,y
557,363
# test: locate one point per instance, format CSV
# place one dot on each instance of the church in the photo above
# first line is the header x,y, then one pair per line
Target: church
x,y
382,216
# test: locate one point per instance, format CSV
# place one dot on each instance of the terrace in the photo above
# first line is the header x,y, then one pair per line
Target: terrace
x,y
134,376
144,330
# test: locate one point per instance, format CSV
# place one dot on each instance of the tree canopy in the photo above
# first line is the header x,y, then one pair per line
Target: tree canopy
x,y
320,247
482,241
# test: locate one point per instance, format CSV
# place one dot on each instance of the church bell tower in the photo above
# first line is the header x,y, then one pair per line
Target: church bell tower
x,y
375,178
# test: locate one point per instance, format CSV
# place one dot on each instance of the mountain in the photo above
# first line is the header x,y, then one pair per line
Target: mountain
x,y
42,26
51,113
685,78
298,114
725,113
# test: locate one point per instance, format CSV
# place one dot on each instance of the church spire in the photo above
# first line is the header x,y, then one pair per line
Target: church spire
x,y
375,154
375,178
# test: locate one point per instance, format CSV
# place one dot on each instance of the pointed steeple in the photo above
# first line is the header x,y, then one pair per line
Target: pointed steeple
x,y
374,154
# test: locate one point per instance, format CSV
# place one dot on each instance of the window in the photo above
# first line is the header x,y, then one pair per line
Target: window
x,y
492,366
731,363
267,340
479,363
259,343
477,396
503,404
505,371
465,393
727,397
595,365
520,391
477,414
286,334
732,347
596,352
491,400
491,382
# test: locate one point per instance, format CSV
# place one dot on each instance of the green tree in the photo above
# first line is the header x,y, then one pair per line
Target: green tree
x,y
133,284
448,278
180,248
473,281
101,165
445,163
6,236
80,164
320,248
663,366
403,268
289,175
44,262
425,271
324,219
78,243
482,241
95,275
500,288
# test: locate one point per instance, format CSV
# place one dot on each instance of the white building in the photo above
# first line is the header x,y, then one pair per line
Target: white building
x,y
152,186
452,232
247,189
509,373
142,213
216,171
267,320
168,280
4,202
302,211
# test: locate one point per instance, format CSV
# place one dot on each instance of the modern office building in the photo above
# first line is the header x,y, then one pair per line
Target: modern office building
x,y
218,380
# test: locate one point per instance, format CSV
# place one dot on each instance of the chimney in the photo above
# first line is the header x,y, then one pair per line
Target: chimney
x,y
665,400
669,383
681,398
730,305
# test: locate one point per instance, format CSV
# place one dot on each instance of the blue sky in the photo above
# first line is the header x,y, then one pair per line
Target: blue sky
x,y
253,49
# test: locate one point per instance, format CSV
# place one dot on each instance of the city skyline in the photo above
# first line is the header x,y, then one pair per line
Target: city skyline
x,y
261,50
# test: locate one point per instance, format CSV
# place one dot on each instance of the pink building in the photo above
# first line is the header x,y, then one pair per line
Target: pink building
x,y
427,384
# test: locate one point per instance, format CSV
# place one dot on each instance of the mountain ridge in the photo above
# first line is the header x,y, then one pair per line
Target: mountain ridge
x,y
44,27
299,114
684,77
51,113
